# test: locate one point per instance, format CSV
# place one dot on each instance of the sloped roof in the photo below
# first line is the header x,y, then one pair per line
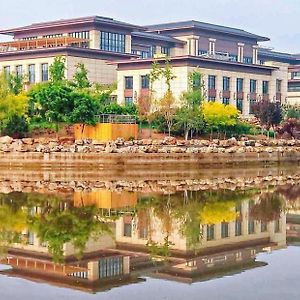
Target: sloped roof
x,y
156,36
206,26
70,22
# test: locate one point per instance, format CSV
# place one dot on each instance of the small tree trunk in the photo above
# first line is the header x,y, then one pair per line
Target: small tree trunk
x,y
186,134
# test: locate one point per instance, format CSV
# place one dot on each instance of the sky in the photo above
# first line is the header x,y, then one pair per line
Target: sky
x,y
276,19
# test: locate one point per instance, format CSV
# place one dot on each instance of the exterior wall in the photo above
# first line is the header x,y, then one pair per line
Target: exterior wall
x,y
293,98
98,70
25,63
180,83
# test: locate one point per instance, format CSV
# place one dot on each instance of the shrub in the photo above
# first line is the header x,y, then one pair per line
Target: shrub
x,y
16,127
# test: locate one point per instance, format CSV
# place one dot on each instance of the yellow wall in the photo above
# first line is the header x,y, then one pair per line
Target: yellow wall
x,y
105,131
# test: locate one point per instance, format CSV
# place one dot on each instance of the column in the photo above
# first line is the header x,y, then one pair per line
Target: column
x,y
137,84
126,264
38,73
233,94
95,39
212,46
255,53
219,87
241,52
93,270
246,101
128,43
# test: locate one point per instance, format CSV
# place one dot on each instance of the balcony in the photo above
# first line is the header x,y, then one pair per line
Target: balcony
x,y
240,95
265,97
211,93
253,96
41,43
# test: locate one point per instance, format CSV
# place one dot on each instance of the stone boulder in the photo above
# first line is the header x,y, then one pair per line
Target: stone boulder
x,y
6,140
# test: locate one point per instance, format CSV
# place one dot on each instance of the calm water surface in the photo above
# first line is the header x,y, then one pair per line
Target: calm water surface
x,y
150,238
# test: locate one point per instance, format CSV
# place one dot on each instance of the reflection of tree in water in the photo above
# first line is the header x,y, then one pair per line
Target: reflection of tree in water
x,y
269,207
290,192
191,209
57,222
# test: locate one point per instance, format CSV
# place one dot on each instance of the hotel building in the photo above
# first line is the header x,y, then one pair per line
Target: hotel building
x,y
230,59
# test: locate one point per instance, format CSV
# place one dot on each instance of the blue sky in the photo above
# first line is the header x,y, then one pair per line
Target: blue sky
x,y
277,19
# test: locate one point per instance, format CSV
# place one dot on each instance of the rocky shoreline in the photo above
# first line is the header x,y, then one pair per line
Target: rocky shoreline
x,y
167,146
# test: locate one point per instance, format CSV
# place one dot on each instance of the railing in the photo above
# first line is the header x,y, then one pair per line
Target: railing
x,y
116,119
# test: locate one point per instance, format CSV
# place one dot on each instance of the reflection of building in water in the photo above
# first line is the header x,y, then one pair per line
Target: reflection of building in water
x,y
293,224
108,201
135,231
227,243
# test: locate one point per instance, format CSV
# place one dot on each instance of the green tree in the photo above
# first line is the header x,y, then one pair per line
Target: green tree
x,y
190,116
57,69
80,78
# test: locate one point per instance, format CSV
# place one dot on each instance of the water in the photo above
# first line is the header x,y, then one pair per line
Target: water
x,y
152,234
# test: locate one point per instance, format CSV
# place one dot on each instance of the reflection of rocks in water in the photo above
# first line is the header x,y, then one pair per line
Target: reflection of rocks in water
x,y
161,186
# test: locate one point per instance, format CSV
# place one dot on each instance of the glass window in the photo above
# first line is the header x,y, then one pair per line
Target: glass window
x,y
19,71
165,50
210,232
224,230
277,226
6,70
145,81
248,60
251,227
278,86
252,105
128,82
31,73
45,72
30,238
127,230
239,84
264,226
253,84
128,100
239,104
211,99
152,51
238,228
112,41
265,87
226,101
233,57
211,82
202,52
81,35
226,83
295,74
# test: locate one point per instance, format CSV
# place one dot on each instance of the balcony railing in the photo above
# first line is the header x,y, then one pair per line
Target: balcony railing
x,y
21,45
116,119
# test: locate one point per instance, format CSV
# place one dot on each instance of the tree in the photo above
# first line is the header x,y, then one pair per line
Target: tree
x,y
52,101
167,109
219,116
269,113
190,116
57,69
80,78
85,109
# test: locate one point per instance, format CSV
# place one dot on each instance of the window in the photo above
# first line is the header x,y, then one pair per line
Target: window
x,y
226,101
129,83
30,238
224,230
211,99
277,226
251,227
55,35
239,104
31,73
238,228
239,84
127,230
128,100
45,73
111,41
6,70
263,227
152,51
110,267
252,105
210,232
248,60
295,74
145,81
211,82
226,83
265,87
233,57
202,52
253,84
278,86
166,50
81,35
19,71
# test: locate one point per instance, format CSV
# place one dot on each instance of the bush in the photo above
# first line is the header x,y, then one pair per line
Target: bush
x,y
16,127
